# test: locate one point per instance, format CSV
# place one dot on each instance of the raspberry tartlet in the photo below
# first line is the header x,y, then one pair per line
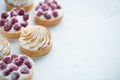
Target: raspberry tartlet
x,y
4,47
48,13
16,67
12,22
35,41
26,4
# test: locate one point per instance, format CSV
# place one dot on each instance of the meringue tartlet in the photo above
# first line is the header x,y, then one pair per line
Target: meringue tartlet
x,y
4,47
26,4
12,22
16,67
35,41
48,13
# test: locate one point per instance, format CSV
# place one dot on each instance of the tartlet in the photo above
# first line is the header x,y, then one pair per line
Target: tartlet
x,y
35,41
12,22
16,67
48,13
26,4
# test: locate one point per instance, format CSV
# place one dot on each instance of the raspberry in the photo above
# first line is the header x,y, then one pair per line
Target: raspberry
x,y
7,60
25,70
13,13
4,15
45,7
54,1
40,3
2,22
23,57
21,11
14,20
55,13
45,1
13,68
3,65
7,26
59,7
18,62
24,24
13,56
39,13
47,16
15,76
17,27
28,63
53,6
6,72
25,16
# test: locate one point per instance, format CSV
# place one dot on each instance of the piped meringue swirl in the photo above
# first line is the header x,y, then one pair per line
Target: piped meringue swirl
x,y
4,46
35,38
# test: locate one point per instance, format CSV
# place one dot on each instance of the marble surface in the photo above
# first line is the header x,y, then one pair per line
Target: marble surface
x,y
86,44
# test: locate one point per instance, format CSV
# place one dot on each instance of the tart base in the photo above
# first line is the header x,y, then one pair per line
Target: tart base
x,y
27,8
48,23
11,35
29,77
36,53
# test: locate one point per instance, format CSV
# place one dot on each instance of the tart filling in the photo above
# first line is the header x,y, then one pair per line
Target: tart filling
x,y
15,67
20,2
48,10
14,20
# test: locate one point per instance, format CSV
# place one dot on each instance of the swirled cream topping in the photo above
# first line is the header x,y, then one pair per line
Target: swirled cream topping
x,y
20,2
35,38
4,46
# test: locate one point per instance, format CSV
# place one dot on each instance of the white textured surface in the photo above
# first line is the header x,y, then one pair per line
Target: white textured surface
x,y
86,44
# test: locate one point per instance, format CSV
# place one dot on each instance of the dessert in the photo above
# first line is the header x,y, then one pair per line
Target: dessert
x,y
48,13
35,41
12,22
16,67
4,47
26,4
